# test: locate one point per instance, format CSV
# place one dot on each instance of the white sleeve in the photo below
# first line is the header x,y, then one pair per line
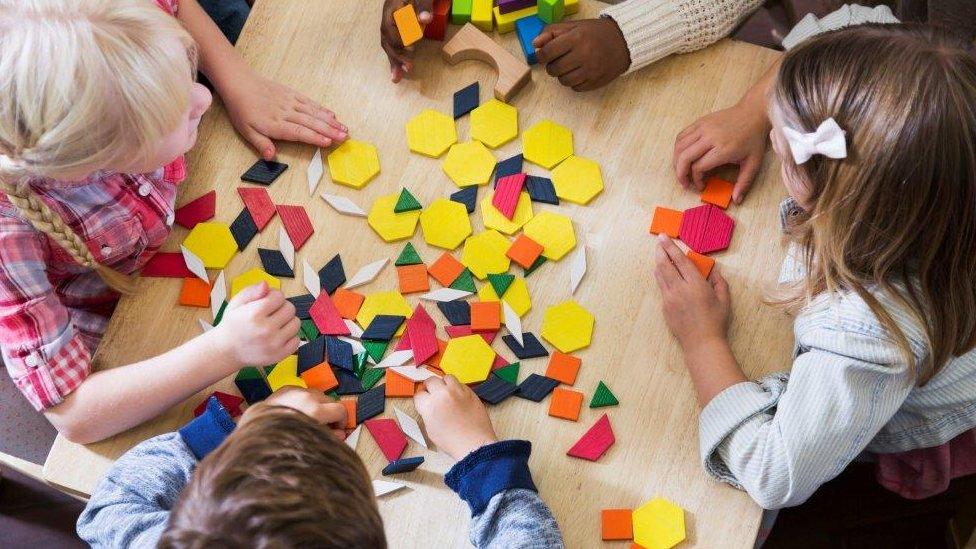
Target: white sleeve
x,y
847,16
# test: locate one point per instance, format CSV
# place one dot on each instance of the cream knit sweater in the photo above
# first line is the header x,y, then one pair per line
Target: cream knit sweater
x,y
655,29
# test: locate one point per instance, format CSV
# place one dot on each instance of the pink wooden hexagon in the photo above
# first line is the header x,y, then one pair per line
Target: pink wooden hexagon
x,y
706,228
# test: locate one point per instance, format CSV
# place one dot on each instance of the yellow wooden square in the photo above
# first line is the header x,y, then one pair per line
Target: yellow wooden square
x,y
481,14
285,373
250,278
555,233
494,123
484,253
392,226
494,219
445,223
354,163
469,163
577,179
468,358
383,303
213,243
431,133
517,295
505,22
658,524
547,144
568,326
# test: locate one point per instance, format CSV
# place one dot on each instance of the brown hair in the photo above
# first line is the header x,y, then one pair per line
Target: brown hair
x,y
280,480
897,215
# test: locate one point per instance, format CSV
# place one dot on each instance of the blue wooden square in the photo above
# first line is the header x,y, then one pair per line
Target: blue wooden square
x,y
536,387
404,465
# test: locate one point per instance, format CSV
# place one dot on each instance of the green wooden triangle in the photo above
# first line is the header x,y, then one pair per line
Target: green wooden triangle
x,y
501,282
409,256
359,365
406,202
603,397
464,282
375,349
538,263
249,372
371,376
308,330
509,373
334,395
267,369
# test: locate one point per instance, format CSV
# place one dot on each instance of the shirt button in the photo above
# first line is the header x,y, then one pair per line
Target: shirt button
x,y
106,250
31,360
145,189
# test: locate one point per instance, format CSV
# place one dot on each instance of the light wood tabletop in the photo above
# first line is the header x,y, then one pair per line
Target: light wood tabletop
x,y
329,50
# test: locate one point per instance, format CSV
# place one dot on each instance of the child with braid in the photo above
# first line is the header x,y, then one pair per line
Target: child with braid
x,y
97,106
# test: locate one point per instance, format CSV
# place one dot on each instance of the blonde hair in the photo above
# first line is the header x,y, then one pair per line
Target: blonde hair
x,y
897,215
85,85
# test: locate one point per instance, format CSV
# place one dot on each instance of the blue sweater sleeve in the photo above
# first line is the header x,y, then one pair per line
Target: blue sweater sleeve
x,y
490,470
205,433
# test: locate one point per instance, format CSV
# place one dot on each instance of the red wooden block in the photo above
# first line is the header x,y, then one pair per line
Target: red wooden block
x,y
465,330
326,317
706,229
595,442
232,403
500,362
507,191
404,342
423,335
197,210
436,29
297,224
167,264
259,205
388,436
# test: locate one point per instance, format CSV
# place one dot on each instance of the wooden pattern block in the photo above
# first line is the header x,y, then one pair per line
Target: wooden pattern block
x,y
437,28
568,326
603,397
297,224
509,372
565,403
466,99
493,218
389,225
332,275
527,29
494,123
311,354
213,243
406,202
595,442
486,316
577,179
404,465
326,316
375,349
258,202
398,385
457,313
371,376
461,11
467,358
465,330
252,277
554,231
467,196
231,403
718,191
535,266
243,229
541,189
347,302
285,373
422,334
469,43
495,389
507,192
383,327
445,224
408,256
464,282
552,11
500,282
469,163
371,403
703,263
383,303
547,144
320,378
524,251
388,436
308,331
445,270
252,385
510,166
413,278
666,221
536,387
302,304
706,229
505,22
484,253
273,262
616,524
196,211
563,367
338,353
350,405
349,384
264,172
481,14
407,24
354,163
167,265
531,346
658,524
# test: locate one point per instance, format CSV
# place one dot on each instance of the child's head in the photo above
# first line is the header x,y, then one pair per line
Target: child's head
x,y
901,207
281,479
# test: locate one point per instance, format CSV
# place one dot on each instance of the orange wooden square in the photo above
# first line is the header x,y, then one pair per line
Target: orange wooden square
x,y
446,269
524,251
195,293
563,367
486,316
320,378
435,361
666,221
398,386
413,278
350,404
347,302
565,403
702,262
717,191
616,524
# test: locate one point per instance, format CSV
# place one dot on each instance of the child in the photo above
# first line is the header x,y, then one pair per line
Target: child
x,y
875,129
284,479
91,150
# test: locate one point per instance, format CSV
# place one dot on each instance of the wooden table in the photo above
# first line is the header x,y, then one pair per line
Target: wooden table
x,y
330,51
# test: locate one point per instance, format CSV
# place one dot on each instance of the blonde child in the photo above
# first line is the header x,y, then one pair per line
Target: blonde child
x,y
876,132
97,107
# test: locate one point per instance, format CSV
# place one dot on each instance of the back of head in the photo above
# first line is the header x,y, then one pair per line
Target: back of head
x,y
899,213
280,480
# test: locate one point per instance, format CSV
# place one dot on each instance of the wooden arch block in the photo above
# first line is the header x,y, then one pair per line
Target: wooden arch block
x,y
469,43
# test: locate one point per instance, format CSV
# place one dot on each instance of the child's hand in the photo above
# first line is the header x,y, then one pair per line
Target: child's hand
x,y
456,420
400,57
697,310
259,326
736,135
314,405
262,110
585,54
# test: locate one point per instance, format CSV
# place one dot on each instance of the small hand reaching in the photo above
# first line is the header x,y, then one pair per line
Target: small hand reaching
x,y
456,420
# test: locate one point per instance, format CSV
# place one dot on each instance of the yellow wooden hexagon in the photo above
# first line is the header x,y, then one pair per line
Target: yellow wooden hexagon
x,y
658,524
392,226
468,358
250,278
484,253
445,223
431,133
469,163
577,179
354,163
213,243
517,295
383,303
494,123
547,144
495,219
555,233
285,373
568,326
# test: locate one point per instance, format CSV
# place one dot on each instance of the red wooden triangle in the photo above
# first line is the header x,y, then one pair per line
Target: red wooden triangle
x,y
197,210
404,342
388,436
167,264
258,203
297,224
231,403
592,445
423,335
326,316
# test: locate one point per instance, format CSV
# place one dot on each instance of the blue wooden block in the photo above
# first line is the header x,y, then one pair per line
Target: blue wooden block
x,y
404,465
527,29
243,229
253,389
540,189
507,167
371,403
273,262
531,347
332,275
457,313
311,354
383,327
264,172
495,390
302,304
466,99
467,196
536,387
349,384
339,353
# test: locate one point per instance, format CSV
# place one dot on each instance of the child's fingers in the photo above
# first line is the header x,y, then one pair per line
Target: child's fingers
x,y
331,413
720,286
556,46
709,161
685,267
565,64
574,78
281,316
549,32
687,157
692,128
435,385
666,273
315,124
251,293
290,131
289,330
424,9
748,170
260,142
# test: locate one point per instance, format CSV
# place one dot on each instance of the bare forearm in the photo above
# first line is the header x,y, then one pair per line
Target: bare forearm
x,y
756,98
219,61
713,368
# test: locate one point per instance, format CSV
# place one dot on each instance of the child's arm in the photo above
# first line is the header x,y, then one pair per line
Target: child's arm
x,y
493,477
260,109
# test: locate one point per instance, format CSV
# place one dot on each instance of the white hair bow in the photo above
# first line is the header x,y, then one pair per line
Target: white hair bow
x,y
827,140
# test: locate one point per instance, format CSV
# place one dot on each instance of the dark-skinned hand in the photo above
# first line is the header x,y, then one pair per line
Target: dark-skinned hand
x,y
584,55
401,58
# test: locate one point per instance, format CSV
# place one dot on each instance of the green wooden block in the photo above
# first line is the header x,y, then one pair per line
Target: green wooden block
x,y
500,282
375,349
538,263
267,369
603,397
308,330
461,11
464,282
333,395
407,202
220,314
509,373
371,376
409,256
249,372
552,11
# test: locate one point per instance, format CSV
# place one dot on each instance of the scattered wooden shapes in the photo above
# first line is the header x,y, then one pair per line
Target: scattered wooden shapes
x,y
431,133
658,524
297,224
555,233
527,29
493,218
445,224
577,269
509,372
389,225
422,333
307,331
320,377
565,403
343,205
213,243
414,373
440,11
410,427
406,22
530,347
286,248
347,302
468,359
354,329
595,442
536,387
413,278
495,389
354,163
375,349
494,123
243,229
264,172
388,436
406,202
258,203
332,275
367,274
718,191
500,282
457,313
445,294
563,367
252,277
464,282
252,385
285,373
615,524
231,403
404,465
196,211
383,487
485,316
510,166
469,163
383,303
338,353
666,221
302,305
352,439
508,189
467,196
538,263
314,171
446,269
274,263
310,279
567,326
326,316
484,253
603,397
371,404
517,296
706,229
351,414
577,180
195,264
398,386
408,256
471,44
371,376
168,265
703,263
512,322
218,295
383,327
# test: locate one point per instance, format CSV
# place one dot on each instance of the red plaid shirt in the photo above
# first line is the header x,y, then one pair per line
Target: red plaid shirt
x,y
54,311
